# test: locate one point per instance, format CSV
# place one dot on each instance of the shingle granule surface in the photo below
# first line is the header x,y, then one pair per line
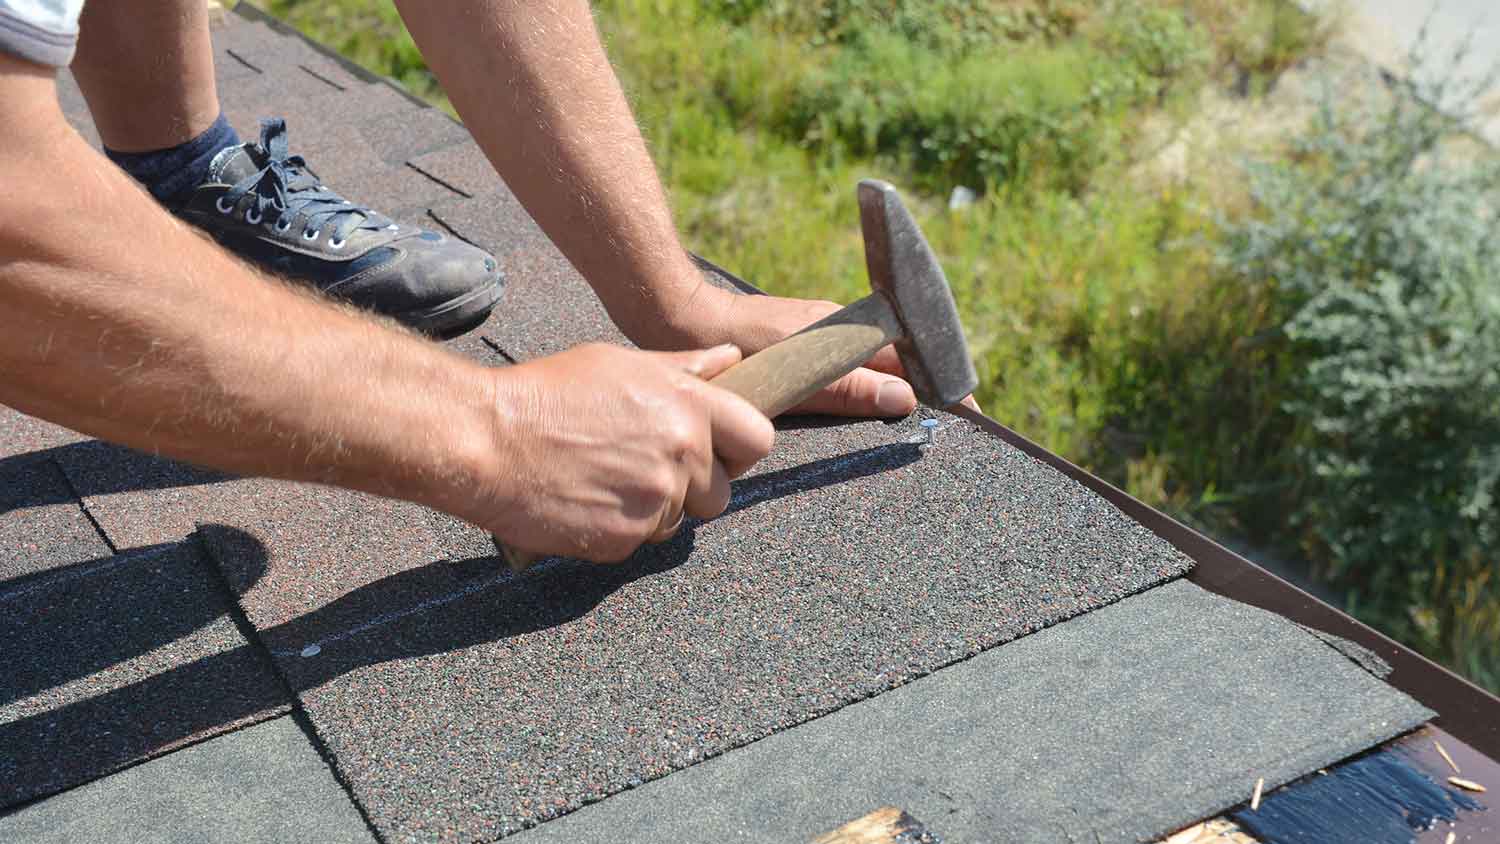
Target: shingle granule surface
x,y
42,526
1118,726
462,703
264,784
26,436
117,659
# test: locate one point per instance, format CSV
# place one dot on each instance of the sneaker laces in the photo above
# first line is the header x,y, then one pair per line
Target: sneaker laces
x,y
285,187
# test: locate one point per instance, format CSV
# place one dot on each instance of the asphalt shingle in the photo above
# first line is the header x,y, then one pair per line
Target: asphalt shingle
x,y
245,35
548,307
280,80
261,785
26,435
118,659
42,526
41,523
419,131
323,104
230,68
463,703
1121,725
138,499
464,168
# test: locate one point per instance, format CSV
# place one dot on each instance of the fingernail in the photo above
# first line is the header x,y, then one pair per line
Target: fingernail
x,y
895,398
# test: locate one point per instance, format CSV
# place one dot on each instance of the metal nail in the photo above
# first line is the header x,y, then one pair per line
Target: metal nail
x,y
928,427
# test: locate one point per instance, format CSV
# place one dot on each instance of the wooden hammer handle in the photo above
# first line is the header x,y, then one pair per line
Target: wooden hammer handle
x,y
780,377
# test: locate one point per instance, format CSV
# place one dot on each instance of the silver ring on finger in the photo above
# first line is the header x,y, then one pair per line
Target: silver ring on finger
x,y
665,534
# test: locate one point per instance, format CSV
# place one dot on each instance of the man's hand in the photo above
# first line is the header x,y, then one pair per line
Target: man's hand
x,y
755,322
603,448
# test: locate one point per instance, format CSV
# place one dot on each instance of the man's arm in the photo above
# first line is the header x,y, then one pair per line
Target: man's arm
x,y
119,321
534,86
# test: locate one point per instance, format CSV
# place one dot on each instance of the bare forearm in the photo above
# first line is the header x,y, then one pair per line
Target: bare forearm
x,y
120,322
533,84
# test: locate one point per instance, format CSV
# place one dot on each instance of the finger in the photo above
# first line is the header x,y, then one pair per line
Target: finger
x,y
700,467
667,529
712,498
863,392
886,360
741,434
703,363
671,517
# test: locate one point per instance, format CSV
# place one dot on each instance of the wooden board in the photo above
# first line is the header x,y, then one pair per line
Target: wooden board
x,y
1215,831
886,825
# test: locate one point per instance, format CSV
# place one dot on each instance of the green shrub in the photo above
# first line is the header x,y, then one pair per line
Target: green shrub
x,y
1256,42
1382,250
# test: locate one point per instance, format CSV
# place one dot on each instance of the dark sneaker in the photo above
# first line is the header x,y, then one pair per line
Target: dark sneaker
x,y
268,207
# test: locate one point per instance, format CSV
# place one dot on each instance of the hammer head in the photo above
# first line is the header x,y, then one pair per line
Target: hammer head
x,y
902,266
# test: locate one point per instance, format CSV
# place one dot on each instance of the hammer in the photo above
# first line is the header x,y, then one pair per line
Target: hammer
x,y
910,307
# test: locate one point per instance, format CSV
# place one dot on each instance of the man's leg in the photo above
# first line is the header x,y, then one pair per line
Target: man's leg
x,y
146,69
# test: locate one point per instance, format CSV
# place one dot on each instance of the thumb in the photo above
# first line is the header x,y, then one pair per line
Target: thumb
x,y
704,363
863,392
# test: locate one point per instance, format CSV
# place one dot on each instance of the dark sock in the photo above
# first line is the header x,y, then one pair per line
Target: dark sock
x,y
171,172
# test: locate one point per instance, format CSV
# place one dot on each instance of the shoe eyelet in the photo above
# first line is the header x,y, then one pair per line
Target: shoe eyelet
x,y
336,244
283,224
393,227
253,217
311,235
223,209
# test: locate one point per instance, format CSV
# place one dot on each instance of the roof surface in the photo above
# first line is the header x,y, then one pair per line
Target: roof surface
x,y
1066,738
154,605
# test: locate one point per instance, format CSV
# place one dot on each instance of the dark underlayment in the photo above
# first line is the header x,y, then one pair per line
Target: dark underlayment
x,y
463,703
1121,725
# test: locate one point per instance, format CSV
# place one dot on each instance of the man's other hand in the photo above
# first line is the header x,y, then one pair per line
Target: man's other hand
x,y
604,448
711,315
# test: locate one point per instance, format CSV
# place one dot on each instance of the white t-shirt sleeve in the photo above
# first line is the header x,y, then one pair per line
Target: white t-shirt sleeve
x,y
42,31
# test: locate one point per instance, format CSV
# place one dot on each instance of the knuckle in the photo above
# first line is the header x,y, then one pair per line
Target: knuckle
x,y
717,503
766,437
846,394
680,436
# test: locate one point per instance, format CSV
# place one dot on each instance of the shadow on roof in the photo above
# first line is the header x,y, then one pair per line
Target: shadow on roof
x,y
100,468
436,608
98,595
